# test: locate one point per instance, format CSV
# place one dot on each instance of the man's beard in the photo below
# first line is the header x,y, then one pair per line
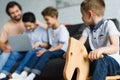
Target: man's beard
x,y
17,19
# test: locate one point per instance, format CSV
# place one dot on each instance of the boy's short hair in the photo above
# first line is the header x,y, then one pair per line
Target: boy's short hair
x,y
50,11
10,5
29,17
98,6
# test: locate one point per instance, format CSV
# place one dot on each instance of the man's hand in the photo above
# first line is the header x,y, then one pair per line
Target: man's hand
x,y
7,51
40,52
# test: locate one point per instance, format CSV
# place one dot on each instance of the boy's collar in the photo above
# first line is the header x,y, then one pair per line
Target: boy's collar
x,y
97,26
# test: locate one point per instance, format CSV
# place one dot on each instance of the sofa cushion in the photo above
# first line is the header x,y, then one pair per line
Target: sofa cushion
x,y
53,70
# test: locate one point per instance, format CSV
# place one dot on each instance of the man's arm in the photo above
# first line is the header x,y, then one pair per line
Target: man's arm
x,y
41,24
4,47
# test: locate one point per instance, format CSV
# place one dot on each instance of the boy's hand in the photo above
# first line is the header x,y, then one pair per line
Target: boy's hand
x,y
95,54
35,45
64,55
40,52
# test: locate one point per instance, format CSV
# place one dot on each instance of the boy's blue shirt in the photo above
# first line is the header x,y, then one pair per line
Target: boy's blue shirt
x,y
39,34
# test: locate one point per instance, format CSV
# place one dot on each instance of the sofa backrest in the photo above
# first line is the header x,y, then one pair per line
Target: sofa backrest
x,y
117,23
76,30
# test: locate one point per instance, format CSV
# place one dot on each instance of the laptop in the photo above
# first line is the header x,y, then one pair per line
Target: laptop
x,y
20,42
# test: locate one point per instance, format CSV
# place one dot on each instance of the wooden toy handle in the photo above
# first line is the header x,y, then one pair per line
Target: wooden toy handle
x,y
101,56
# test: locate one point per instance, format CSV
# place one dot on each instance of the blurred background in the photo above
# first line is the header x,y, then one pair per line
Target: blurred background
x,y
69,10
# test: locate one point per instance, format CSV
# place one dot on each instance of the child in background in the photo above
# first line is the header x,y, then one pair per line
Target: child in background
x,y
58,39
39,41
103,39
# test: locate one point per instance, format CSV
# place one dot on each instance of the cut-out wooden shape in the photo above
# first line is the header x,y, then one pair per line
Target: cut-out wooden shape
x,y
76,58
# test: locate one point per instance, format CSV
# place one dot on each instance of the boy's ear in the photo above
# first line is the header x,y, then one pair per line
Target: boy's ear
x,y
90,12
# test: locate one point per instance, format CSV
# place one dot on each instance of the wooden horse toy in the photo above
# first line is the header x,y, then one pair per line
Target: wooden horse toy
x,y
76,58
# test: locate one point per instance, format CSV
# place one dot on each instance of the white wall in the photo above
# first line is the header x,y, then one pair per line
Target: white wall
x,y
68,15
112,9
36,6
72,14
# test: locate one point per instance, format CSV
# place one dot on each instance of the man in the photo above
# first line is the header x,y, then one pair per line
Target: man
x,y
12,27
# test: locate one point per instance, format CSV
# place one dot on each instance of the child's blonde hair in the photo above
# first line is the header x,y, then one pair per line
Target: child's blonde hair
x,y
50,11
98,6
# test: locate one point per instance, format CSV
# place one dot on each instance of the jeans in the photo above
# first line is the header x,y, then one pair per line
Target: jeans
x,y
14,57
3,59
102,67
36,64
25,60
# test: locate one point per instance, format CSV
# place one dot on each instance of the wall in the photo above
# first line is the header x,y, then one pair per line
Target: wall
x,y
35,6
68,15
72,14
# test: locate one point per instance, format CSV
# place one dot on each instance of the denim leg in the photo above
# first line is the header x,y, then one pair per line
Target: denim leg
x,y
0,52
24,61
14,56
113,67
30,64
3,59
103,66
44,59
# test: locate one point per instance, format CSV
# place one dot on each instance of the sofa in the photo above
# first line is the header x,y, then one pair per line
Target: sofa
x,y
53,69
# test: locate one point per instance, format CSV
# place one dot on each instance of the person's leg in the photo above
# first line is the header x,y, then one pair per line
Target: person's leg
x,y
29,66
23,63
104,66
113,67
3,59
42,61
14,56
44,58
0,53
31,63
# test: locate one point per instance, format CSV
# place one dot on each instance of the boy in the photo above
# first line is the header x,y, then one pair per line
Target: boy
x,y
103,39
38,41
58,39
